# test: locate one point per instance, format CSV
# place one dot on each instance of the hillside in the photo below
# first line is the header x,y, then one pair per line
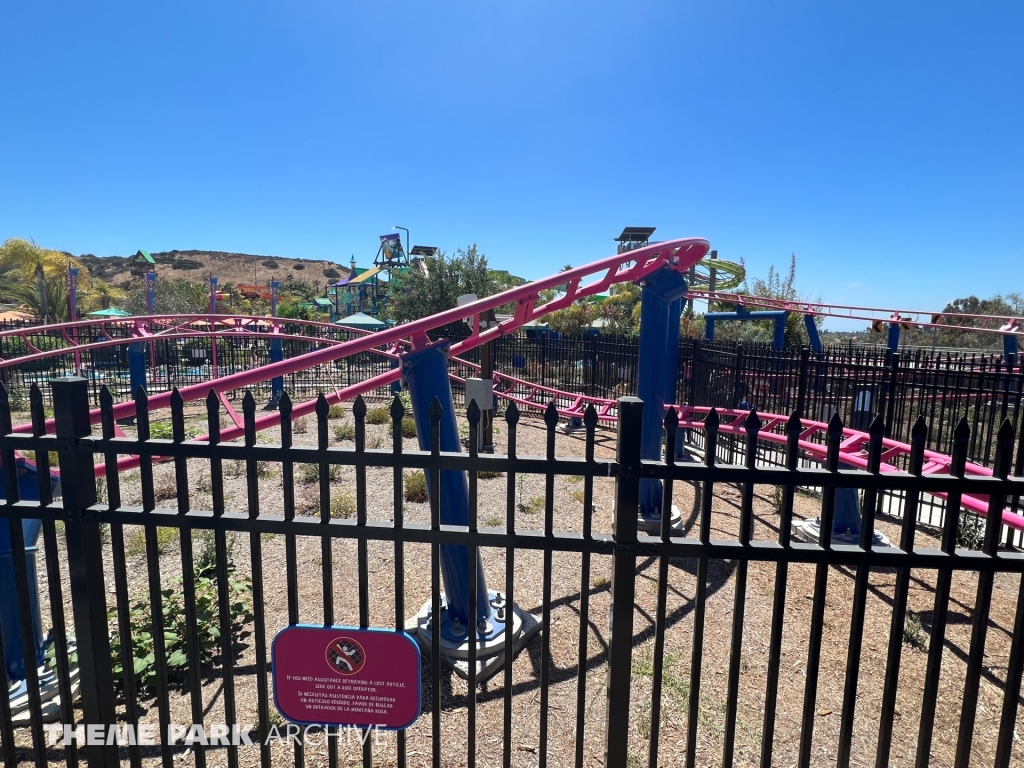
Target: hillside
x,y
236,268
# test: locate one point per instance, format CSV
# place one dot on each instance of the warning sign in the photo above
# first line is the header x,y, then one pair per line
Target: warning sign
x,y
346,677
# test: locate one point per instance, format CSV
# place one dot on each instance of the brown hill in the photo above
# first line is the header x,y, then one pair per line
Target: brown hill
x,y
235,268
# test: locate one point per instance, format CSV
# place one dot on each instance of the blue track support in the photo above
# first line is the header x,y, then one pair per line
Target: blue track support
x,y
276,349
137,365
846,518
10,619
812,334
396,386
276,356
425,376
894,336
779,317
658,325
1009,348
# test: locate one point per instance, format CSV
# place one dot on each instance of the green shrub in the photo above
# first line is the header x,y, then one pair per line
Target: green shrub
x,y
335,412
207,626
161,430
186,264
345,432
343,505
488,475
299,267
970,531
269,263
408,427
913,633
332,273
310,473
415,486
378,416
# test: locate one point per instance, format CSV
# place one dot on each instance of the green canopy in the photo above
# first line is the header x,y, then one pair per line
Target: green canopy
x,y
362,320
112,312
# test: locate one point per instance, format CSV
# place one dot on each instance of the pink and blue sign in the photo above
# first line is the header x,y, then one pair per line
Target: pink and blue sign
x,y
346,677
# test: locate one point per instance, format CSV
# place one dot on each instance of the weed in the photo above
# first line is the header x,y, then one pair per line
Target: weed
x,y
494,521
135,541
265,537
970,531
265,469
345,432
601,582
408,427
378,416
574,479
300,426
235,468
578,495
913,633
165,488
488,474
415,486
335,412
533,506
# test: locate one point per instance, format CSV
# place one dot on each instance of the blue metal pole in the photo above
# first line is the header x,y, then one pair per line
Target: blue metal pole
x,y
661,290
425,376
276,350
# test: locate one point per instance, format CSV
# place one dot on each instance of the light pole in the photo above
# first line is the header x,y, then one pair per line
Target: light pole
x,y
406,238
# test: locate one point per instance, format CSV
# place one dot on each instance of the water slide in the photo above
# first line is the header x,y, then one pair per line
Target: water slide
x,y
578,283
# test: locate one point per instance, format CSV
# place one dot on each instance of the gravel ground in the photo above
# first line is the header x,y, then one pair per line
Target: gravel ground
x,y
567,581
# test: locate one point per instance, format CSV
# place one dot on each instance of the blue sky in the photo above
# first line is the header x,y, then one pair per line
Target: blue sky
x,y
883,143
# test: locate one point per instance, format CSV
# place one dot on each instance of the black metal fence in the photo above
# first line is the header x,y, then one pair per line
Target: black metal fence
x,y
711,655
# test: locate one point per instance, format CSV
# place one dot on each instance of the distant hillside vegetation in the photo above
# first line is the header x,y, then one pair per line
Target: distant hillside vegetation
x,y
236,268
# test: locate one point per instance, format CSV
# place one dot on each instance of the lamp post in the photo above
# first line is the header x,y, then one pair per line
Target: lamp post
x,y
406,238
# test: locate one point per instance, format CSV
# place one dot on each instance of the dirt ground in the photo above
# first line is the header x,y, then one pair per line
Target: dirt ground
x,y
567,582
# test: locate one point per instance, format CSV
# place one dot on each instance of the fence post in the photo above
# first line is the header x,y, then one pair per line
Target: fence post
x,y
85,561
623,589
890,406
801,394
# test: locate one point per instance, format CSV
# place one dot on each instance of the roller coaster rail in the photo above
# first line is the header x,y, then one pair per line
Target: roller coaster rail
x,y
905,317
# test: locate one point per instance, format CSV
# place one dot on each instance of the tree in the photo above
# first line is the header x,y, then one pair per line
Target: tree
x,y
1010,305
621,310
37,278
171,297
777,287
415,294
575,319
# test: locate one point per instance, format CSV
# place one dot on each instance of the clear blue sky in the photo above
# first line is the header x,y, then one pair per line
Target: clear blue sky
x,y
881,142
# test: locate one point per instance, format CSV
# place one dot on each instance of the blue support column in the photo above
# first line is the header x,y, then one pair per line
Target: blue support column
x,y
812,334
894,336
276,350
661,290
425,376
1009,348
779,341
137,365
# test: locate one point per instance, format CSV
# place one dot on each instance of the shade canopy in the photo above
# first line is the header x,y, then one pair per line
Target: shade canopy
x,y
110,312
362,320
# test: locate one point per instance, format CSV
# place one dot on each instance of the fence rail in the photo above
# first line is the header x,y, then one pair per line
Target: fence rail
x,y
109,561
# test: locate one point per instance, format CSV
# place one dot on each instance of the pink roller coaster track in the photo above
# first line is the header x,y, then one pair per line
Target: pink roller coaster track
x,y
577,283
